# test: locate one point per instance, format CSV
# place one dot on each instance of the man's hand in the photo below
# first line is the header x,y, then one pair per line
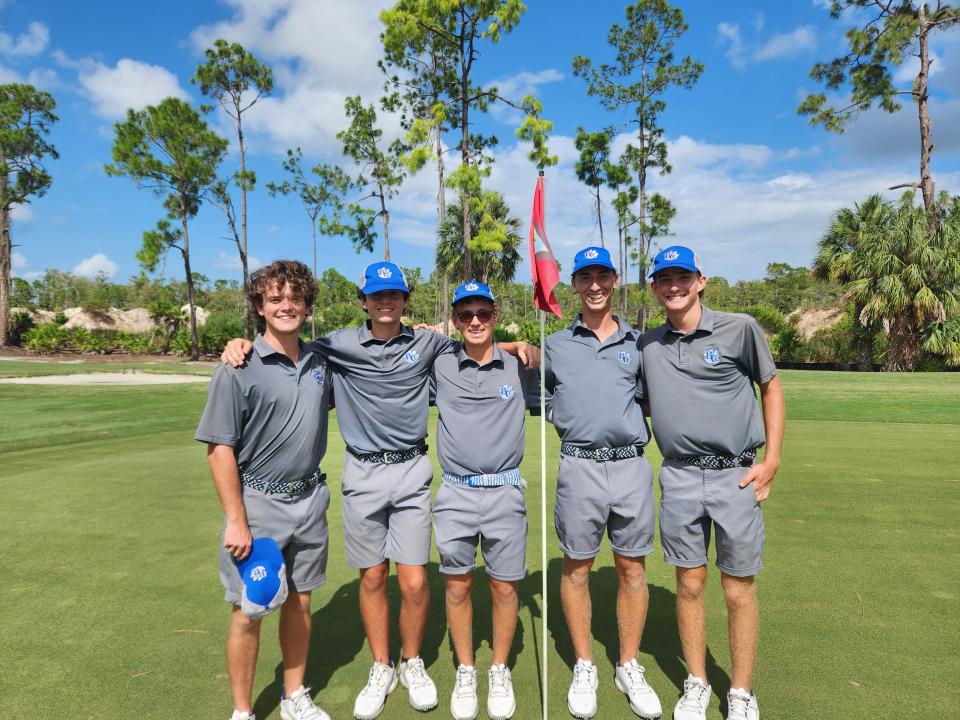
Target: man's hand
x,y
236,352
761,475
237,539
529,354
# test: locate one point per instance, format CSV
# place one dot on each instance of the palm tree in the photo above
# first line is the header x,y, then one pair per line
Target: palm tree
x,y
493,245
847,231
901,275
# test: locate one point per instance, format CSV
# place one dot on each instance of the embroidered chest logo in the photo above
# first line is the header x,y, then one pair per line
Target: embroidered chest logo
x,y
591,254
711,355
625,357
385,273
672,255
506,391
258,573
411,356
317,375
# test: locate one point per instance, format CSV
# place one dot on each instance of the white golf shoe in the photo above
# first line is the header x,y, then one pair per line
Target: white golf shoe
x,y
582,696
381,682
632,683
413,676
299,706
501,703
463,701
237,715
742,705
692,705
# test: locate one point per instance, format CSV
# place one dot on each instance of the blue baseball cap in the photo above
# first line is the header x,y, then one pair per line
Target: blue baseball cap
x,y
592,256
676,256
264,576
471,289
383,276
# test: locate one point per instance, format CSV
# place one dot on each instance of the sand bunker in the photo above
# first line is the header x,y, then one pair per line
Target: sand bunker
x,y
105,378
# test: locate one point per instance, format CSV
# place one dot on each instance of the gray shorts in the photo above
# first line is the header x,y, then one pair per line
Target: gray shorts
x,y
299,525
616,496
493,517
692,501
386,511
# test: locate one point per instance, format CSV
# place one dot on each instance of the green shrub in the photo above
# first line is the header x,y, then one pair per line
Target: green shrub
x,y
135,343
92,341
788,345
220,328
46,339
501,334
20,322
770,318
180,341
60,318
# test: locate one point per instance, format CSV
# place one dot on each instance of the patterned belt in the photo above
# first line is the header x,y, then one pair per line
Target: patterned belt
x,y
508,477
389,457
603,454
716,462
284,488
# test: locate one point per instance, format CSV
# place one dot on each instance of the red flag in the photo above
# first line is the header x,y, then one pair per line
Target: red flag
x,y
543,266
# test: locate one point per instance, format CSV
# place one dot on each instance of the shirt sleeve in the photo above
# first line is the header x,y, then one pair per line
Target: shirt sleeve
x,y
443,344
549,379
222,419
641,392
755,353
530,381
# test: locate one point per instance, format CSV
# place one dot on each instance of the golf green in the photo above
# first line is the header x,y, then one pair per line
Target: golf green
x,y
111,607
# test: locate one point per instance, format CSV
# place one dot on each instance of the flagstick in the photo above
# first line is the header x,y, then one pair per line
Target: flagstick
x,y
543,514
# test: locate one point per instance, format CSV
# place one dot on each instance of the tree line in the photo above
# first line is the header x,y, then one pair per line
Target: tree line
x,y
430,59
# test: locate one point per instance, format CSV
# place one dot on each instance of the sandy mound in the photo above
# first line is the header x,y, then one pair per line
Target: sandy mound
x,y
809,322
136,320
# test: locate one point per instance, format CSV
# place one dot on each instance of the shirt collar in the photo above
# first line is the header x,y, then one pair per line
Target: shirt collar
x,y
367,337
623,328
705,324
462,356
265,349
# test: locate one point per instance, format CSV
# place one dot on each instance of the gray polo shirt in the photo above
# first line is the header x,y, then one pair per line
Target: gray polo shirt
x,y
700,385
272,412
595,388
480,430
382,386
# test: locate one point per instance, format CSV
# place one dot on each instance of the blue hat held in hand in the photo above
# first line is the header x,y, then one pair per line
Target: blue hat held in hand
x,y
264,576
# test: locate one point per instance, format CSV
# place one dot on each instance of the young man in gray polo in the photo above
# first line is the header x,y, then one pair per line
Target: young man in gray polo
x,y
593,372
482,394
265,426
381,384
701,367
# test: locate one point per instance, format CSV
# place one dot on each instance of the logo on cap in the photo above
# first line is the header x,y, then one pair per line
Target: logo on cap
x,y
318,376
591,254
506,391
711,355
471,287
258,573
670,256
625,357
385,273
411,356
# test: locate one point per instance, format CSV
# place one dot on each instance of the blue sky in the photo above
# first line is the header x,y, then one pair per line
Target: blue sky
x,y
753,183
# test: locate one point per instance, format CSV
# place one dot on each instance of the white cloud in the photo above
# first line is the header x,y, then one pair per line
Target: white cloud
x,y
29,44
128,84
780,45
516,87
98,264
18,261
320,54
231,262
22,213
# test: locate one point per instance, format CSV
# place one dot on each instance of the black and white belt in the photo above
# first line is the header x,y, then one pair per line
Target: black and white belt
x,y
716,462
602,454
389,457
277,487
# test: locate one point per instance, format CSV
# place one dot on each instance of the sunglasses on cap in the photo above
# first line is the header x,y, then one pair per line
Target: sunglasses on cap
x,y
466,316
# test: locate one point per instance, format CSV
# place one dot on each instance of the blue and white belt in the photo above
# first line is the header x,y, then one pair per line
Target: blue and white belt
x,y
602,454
279,487
508,477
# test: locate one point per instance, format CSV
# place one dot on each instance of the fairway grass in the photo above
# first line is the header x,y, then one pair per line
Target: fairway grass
x,y
111,606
